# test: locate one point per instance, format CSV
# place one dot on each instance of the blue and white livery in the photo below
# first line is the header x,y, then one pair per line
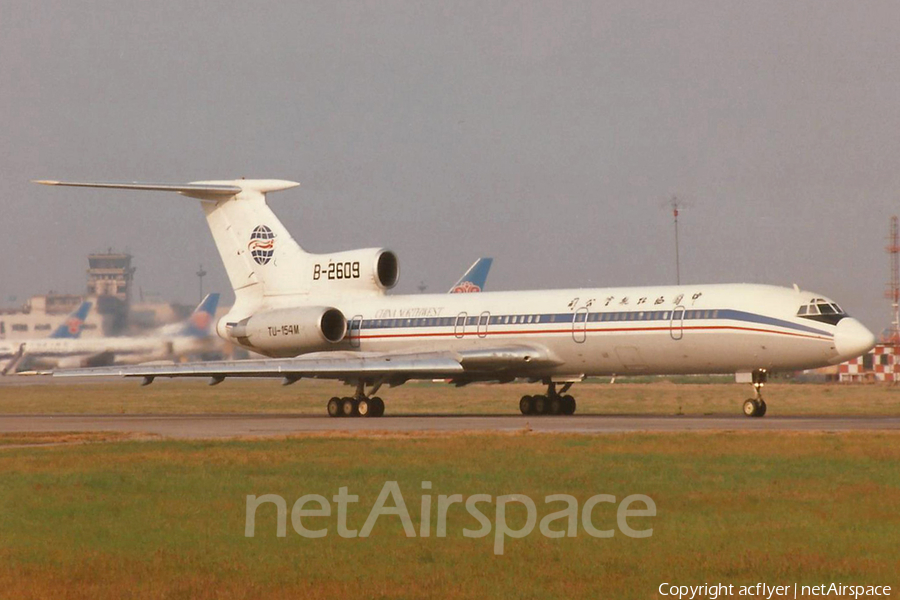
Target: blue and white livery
x,y
64,349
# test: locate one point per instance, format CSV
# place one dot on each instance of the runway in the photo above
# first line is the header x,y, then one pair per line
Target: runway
x,y
224,426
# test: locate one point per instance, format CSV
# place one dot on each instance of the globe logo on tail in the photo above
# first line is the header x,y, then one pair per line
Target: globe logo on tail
x,y
262,244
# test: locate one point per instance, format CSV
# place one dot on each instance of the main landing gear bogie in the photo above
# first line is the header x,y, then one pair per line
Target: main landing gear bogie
x,y
553,403
359,405
356,407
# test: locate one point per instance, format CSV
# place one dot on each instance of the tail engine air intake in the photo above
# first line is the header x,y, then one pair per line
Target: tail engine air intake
x,y
290,331
370,270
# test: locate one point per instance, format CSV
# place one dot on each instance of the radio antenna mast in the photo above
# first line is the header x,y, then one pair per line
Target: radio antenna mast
x,y
893,291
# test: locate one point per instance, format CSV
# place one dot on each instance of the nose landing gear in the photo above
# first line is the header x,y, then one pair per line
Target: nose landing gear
x,y
756,406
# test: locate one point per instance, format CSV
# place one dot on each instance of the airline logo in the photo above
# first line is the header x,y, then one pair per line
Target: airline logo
x,y
466,287
74,324
200,320
262,244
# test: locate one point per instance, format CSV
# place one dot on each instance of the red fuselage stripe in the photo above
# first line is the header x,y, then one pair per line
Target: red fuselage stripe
x,y
570,331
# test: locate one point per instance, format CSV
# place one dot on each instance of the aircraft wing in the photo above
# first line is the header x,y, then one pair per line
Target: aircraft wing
x,y
466,365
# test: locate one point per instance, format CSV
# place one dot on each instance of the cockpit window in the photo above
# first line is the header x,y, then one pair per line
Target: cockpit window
x,y
822,310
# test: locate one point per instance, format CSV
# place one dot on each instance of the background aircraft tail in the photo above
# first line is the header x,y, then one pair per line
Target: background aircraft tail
x,y
199,324
73,324
474,279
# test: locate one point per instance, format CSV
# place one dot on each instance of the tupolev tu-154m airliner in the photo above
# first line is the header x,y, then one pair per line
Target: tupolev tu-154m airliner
x,y
328,316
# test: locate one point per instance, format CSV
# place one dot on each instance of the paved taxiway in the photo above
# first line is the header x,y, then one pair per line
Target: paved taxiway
x,y
232,425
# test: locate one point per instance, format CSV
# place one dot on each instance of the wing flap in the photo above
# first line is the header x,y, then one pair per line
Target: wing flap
x,y
329,366
345,365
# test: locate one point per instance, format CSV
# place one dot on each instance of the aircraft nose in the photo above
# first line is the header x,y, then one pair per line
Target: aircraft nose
x,y
851,338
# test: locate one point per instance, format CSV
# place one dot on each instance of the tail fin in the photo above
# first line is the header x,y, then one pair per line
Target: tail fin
x,y
199,324
260,256
474,279
72,326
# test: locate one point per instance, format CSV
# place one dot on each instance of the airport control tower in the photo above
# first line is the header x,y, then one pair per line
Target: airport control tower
x,y
110,278
110,274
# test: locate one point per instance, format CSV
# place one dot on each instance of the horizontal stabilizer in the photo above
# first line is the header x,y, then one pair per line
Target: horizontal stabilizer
x,y
188,189
203,190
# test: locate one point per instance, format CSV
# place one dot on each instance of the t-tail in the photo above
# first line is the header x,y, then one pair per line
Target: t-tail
x,y
74,323
267,269
474,279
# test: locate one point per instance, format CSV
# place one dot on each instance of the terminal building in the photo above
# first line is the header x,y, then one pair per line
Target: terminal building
x,y
110,279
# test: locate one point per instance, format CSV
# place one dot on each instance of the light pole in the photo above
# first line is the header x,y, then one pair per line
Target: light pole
x,y
674,205
200,275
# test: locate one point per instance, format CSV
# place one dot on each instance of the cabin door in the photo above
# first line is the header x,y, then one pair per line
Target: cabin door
x,y
676,325
459,329
354,329
579,325
483,321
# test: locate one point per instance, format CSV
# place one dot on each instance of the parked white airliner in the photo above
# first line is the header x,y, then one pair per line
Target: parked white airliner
x,y
327,316
188,338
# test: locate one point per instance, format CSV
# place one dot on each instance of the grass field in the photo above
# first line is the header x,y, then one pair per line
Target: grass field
x,y
309,397
152,519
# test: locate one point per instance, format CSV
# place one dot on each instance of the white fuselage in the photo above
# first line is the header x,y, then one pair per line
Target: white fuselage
x,y
604,331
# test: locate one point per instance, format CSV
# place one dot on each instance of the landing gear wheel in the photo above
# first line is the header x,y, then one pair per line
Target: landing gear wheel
x,y
568,405
754,408
348,407
539,404
526,405
334,408
762,408
555,405
376,405
364,407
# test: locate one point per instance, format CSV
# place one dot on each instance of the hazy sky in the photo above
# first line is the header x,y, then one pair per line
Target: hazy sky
x,y
548,135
